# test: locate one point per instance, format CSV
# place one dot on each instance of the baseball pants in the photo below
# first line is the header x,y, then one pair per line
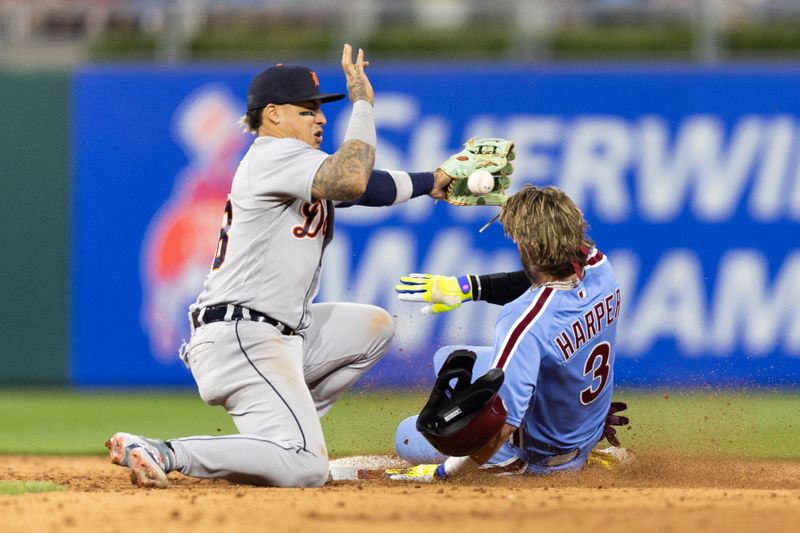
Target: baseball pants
x,y
275,388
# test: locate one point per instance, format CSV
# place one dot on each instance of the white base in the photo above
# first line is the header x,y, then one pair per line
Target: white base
x,y
363,467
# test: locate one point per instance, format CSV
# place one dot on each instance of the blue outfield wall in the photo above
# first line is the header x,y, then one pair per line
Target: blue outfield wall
x,y
690,179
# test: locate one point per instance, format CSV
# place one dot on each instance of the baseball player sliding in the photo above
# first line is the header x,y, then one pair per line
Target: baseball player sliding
x,y
259,346
543,398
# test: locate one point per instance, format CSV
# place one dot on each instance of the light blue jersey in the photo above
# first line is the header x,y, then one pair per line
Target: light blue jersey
x,y
556,345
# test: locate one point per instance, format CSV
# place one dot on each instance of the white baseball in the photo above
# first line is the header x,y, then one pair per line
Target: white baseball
x,y
480,182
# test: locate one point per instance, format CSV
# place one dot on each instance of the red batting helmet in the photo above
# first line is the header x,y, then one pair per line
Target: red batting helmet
x,y
459,420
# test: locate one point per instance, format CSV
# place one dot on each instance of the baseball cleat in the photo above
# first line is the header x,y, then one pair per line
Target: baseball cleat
x,y
147,469
121,444
118,448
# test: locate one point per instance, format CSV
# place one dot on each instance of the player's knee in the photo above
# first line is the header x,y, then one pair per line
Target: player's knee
x,y
403,435
380,328
382,325
314,473
411,446
317,474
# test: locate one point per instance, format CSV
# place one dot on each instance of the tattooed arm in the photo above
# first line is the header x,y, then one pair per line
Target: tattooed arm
x,y
345,174
358,85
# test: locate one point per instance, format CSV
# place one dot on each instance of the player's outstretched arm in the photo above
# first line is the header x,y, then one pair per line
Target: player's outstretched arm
x,y
445,293
390,187
453,467
345,174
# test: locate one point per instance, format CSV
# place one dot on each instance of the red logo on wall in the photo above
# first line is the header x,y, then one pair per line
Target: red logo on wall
x,y
180,241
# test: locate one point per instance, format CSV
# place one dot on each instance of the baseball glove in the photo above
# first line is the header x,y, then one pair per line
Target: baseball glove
x,y
491,154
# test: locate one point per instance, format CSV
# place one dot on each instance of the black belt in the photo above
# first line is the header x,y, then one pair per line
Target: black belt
x,y
229,312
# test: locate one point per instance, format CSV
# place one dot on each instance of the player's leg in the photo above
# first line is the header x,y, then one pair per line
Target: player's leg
x,y
411,446
343,342
256,374
569,463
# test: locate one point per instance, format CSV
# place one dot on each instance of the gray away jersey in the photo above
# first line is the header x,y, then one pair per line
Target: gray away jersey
x,y
273,234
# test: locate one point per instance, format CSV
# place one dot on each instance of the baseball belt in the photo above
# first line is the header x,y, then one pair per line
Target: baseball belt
x,y
559,456
230,312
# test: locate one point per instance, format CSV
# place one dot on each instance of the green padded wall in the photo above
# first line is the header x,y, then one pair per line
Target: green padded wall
x,y
34,200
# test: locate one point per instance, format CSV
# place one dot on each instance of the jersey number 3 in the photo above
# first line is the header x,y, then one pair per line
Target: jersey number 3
x,y
222,244
601,352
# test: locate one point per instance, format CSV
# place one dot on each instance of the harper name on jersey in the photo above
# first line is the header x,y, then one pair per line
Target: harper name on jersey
x,y
584,329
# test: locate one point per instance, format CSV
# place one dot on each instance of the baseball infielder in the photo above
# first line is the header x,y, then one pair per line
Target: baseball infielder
x,y
555,341
259,347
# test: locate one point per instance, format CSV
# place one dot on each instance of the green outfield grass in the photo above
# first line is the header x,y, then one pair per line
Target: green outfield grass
x,y
10,488
707,422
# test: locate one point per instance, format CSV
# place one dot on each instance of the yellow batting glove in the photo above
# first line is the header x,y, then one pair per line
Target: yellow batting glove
x,y
419,473
444,293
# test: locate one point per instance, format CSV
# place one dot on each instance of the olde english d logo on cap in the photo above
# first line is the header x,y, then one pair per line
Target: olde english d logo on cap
x,y
314,78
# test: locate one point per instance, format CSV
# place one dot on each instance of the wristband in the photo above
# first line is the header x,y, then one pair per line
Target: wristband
x,y
465,287
362,124
475,281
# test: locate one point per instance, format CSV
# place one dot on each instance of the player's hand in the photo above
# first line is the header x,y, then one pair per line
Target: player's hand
x,y
419,473
441,181
444,293
612,419
358,85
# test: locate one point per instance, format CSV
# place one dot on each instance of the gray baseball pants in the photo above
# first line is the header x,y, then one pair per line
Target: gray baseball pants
x,y
275,387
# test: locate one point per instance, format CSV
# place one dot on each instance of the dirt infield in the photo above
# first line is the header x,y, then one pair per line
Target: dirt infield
x,y
654,494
